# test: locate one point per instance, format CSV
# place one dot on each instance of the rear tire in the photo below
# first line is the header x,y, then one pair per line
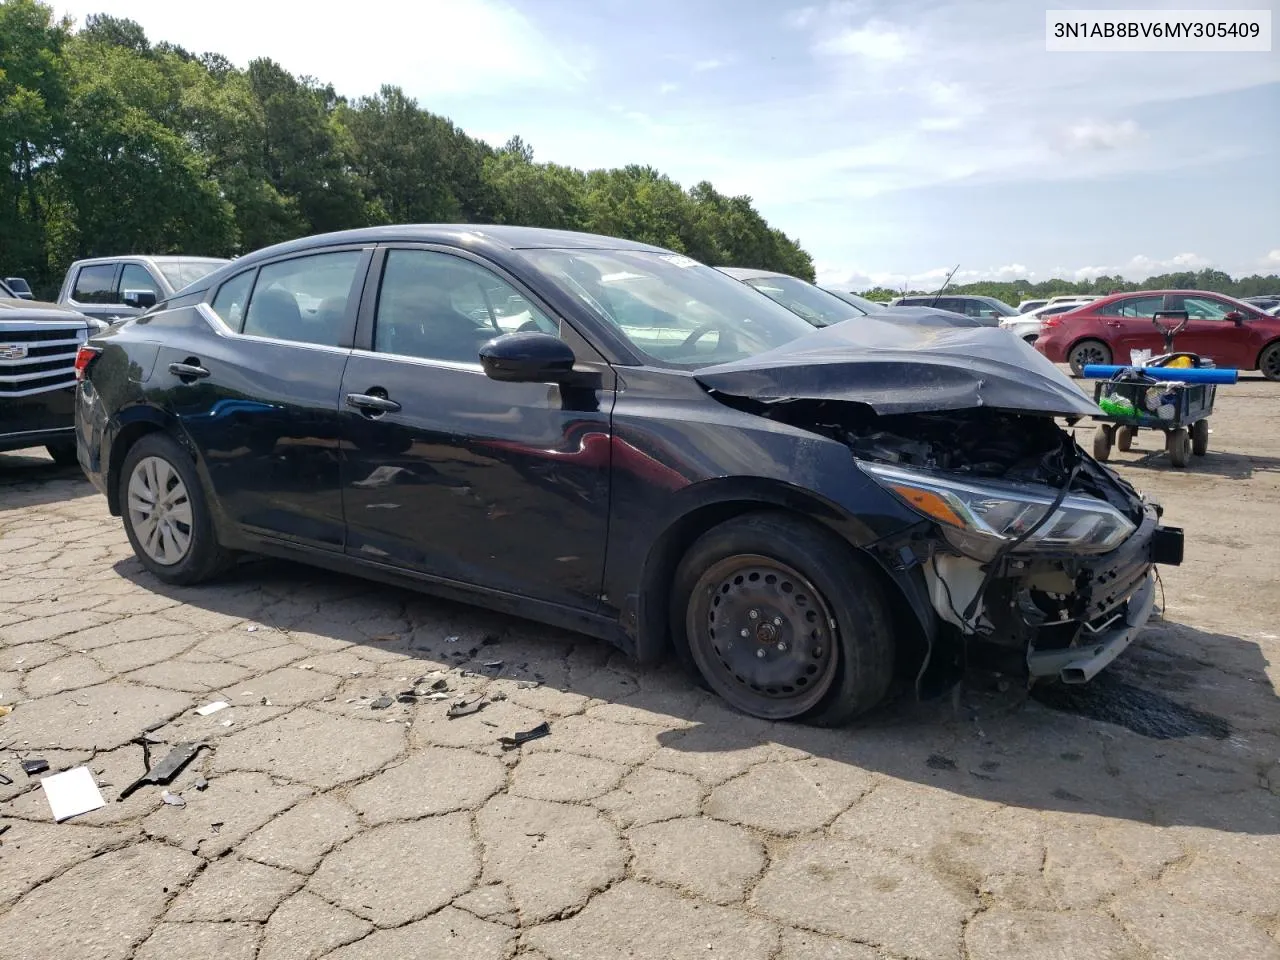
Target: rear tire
x,y
165,514
1269,362
1200,438
1124,438
1086,352
819,647
63,454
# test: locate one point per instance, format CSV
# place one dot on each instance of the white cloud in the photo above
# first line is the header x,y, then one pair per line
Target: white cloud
x,y
1138,267
412,45
1102,135
832,275
875,41
1272,258
667,88
712,63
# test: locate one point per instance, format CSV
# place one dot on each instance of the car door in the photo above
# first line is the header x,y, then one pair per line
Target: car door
x,y
1128,325
94,292
453,475
258,393
1210,334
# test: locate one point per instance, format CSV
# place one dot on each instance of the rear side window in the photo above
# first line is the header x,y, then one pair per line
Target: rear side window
x,y
93,284
1134,307
231,298
303,299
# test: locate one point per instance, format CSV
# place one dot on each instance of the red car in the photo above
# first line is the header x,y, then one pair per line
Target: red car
x,y
1230,332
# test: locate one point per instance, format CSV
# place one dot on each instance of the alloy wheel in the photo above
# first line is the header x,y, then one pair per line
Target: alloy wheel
x,y
160,511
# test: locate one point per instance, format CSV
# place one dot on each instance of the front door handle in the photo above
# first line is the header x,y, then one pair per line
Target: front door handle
x,y
188,371
372,404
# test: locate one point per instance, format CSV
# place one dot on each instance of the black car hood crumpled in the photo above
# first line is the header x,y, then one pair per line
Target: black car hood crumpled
x,y
894,368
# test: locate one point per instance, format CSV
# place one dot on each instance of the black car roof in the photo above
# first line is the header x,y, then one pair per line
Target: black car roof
x,y
459,235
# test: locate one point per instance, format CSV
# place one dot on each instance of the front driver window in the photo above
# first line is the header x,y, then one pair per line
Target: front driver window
x,y
134,277
1203,308
436,306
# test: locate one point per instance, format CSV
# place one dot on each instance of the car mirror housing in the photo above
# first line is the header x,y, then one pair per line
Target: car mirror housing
x,y
140,299
1236,317
529,357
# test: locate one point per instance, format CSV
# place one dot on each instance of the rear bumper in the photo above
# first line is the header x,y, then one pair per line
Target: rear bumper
x,y
91,436
1052,348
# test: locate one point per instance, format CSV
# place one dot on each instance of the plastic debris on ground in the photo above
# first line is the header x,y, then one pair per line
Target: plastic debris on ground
x,y
35,765
214,707
464,708
173,799
72,793
381,703
5,710
520,739
168,768
201,783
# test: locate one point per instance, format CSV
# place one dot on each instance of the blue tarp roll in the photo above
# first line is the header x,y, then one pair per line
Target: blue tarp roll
x,y
1098,371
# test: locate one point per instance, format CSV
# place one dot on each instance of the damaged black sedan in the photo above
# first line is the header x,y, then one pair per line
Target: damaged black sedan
x,y
616,439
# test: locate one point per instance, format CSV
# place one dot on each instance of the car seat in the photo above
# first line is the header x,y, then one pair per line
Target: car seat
x,y
274,313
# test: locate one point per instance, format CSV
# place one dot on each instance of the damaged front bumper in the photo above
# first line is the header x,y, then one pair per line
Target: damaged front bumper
x,y
1064,616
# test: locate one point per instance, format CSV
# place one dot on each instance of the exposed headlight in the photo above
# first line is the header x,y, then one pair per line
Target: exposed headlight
x,y
980,517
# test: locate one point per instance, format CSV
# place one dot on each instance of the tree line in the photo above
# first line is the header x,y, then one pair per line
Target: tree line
x,y
1014,292
120,145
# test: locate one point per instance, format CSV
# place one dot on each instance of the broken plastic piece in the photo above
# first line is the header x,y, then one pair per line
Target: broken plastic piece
x,y
201,783
72,793
5,779
5,710
381,703
494,665
37,765
464,708
166,769
216,827
386,638
441,684
452,639
519,739
214,707
173,799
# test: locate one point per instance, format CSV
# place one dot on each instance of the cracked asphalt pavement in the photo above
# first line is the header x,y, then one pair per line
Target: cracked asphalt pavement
x,y
1136,819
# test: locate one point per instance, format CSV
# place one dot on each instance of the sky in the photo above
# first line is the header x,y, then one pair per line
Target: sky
x,y
894,139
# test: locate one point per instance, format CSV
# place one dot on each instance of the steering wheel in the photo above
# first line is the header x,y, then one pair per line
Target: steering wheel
x,y
699,332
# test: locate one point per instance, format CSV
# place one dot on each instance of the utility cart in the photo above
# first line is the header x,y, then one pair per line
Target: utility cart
x,y
1173,393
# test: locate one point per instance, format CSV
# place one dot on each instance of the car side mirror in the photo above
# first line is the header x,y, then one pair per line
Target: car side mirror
x,y
1236,317
140,299
530,357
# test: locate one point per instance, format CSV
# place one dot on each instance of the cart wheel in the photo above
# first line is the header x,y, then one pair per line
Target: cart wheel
x,y
1124,437
1200,437
1179,446
1101,442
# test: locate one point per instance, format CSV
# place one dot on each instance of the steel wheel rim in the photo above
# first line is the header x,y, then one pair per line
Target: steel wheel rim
x,y
787,660
160,511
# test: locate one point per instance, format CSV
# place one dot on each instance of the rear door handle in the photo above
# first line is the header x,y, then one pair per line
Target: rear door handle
x,y
191,371
372,404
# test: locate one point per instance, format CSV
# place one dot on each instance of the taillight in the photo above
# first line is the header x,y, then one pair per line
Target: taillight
x,y
1048,323
84,357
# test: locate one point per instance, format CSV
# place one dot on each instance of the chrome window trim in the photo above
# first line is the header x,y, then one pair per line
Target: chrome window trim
x,y
222,329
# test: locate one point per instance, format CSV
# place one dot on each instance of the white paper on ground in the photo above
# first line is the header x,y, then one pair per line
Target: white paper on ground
x,y
214,707
72,793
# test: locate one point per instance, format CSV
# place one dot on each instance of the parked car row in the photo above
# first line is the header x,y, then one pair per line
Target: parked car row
x,y
38,341
614,438
1230,332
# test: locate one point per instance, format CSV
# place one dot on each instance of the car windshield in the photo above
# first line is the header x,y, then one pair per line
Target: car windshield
x,y
672,309
183,273
805,300
5,291
861,303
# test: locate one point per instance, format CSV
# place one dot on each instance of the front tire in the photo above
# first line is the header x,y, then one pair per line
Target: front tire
x,y
165,515
818,643
1086,352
